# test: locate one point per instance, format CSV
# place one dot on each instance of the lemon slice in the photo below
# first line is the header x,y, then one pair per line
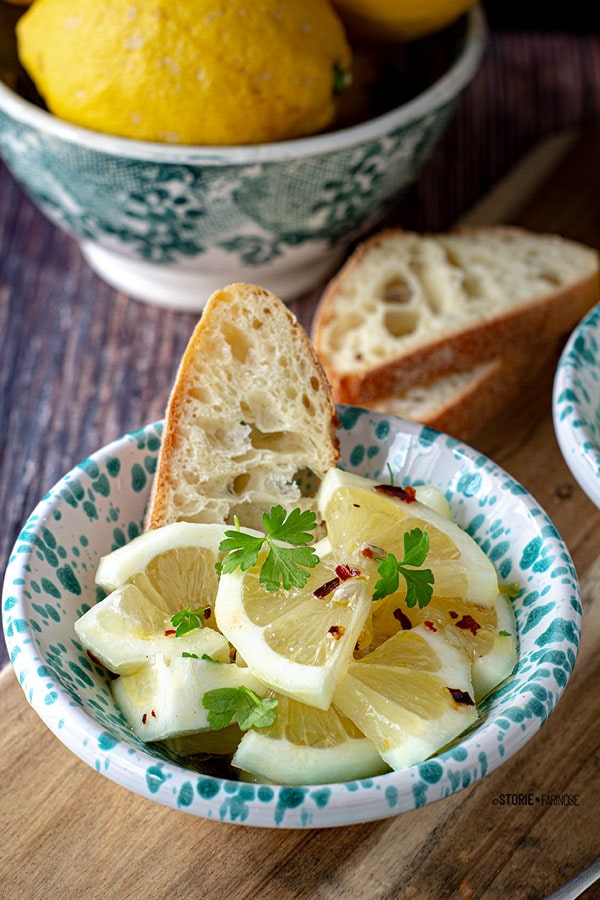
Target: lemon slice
x,y
297,642
307,746
163,699
126,629
411,696
174,565
361,514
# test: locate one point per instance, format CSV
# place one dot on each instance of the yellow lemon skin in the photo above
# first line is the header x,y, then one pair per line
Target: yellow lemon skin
x,y
401,20
217,72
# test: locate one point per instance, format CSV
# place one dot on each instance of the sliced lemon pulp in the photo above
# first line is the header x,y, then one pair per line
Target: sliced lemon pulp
x,y
410,696
297,642
306,745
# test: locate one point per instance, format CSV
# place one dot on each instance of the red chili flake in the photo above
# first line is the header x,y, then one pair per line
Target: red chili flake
x,y
403,619
344,571
468,623
144,718
461,697
452,614
429,625
370,551
336,631
170,631
407,493
326,588
207,612
153,714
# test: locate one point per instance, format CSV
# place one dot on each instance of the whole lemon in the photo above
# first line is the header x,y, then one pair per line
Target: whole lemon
x,y
401,20
189,71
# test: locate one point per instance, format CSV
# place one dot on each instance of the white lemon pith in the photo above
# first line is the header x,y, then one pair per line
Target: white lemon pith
x,y
202,72
360,686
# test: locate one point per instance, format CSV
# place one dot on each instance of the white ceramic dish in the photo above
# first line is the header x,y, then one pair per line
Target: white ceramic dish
x,y
576,404
99,505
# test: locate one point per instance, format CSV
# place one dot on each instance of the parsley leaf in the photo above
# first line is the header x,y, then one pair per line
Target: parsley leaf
x,y
223,704
187,620
283,566
418,581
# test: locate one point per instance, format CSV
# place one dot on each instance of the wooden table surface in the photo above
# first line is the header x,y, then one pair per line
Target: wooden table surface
x,y
80,364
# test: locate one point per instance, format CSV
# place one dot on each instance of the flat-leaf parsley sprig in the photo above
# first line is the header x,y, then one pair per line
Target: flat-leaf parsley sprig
x,y
285,565
187,620
419,582
241,703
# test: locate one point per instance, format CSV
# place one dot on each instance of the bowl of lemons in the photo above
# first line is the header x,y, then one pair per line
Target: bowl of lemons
x,y
273,680
193,145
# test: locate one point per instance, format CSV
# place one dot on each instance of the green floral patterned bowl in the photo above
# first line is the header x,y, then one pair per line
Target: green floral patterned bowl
x,y
170,224
99,505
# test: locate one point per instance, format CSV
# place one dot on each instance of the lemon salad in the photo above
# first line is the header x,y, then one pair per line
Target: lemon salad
x,y
305,661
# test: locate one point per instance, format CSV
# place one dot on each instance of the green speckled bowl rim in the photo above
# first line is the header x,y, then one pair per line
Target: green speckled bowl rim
x,y
507,522
576,404
437,95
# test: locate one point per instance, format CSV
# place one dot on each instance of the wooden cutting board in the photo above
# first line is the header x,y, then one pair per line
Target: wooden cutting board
x,y
67,832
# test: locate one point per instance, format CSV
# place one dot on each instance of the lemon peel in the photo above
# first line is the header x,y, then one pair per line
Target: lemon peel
x,y
216,72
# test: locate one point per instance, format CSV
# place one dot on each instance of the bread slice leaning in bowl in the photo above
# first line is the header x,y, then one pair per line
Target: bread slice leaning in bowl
x,y
249,416
407,308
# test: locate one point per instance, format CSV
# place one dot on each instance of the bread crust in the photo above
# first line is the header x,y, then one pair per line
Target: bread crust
x,y
481,397
538,321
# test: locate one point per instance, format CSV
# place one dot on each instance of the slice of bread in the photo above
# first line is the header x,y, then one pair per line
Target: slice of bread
x,y
407,308
461,403
250,414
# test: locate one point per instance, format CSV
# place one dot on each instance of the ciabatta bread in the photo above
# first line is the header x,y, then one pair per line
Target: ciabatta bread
x,y
407,308
461,403
249,414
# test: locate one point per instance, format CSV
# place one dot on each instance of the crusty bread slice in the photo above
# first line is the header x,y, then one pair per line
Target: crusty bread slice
x,y
461,403
407,307
250,412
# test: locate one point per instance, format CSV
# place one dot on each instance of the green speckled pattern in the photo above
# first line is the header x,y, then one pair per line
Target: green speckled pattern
x,y
576,404
100,504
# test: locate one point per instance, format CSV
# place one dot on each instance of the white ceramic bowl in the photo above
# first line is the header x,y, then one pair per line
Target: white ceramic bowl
x,y
576,404
100,504
171,224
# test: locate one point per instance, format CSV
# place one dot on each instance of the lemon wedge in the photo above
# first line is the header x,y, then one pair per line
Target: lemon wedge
x,y
306,745
163,699
126,630
411,696
299,642
362,514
